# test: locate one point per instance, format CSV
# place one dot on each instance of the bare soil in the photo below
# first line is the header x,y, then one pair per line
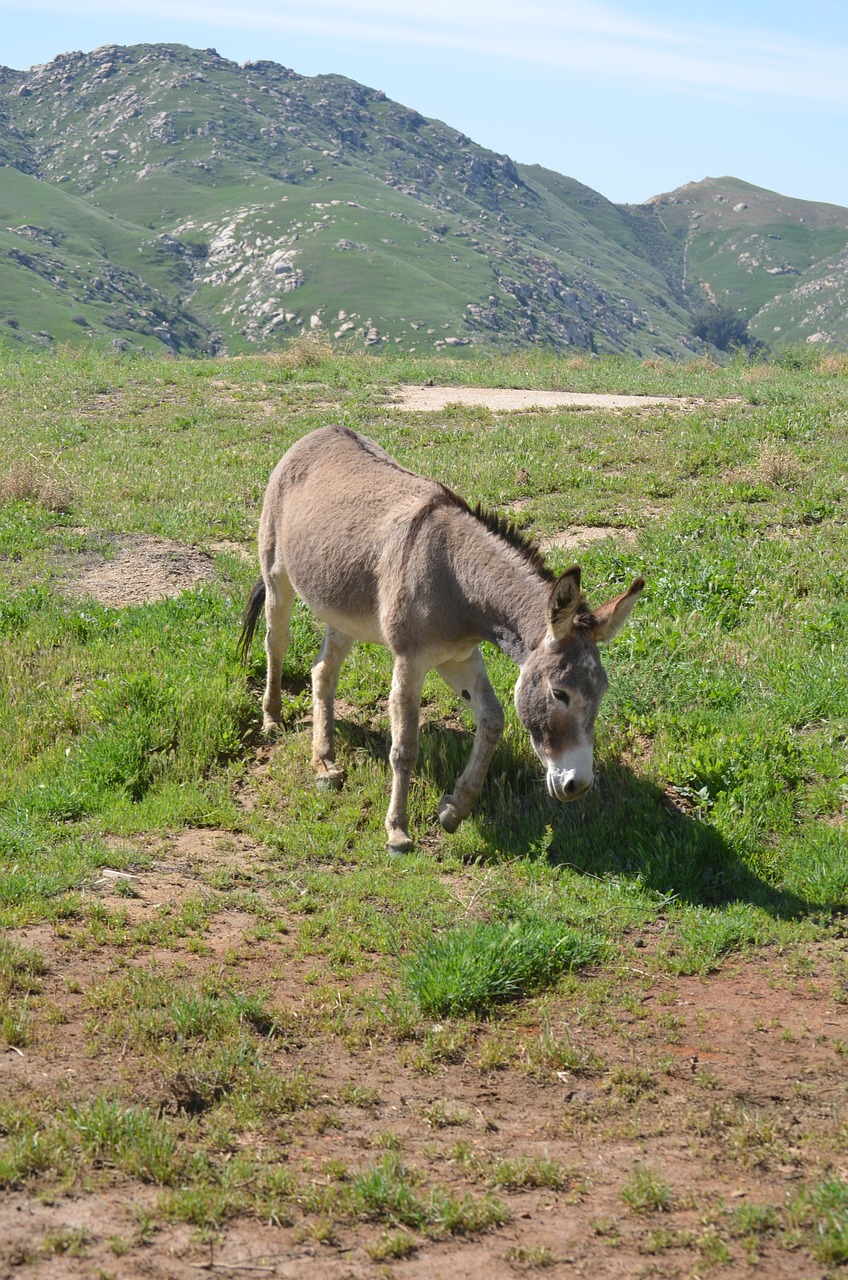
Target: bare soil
x,y
144,569
511,399
731,1088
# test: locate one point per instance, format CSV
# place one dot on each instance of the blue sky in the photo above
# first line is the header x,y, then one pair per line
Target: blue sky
x,y
630,98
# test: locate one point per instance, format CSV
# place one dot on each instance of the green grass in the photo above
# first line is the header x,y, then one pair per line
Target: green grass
x,y
716,829
646,1192
472,969
122,719
85,1135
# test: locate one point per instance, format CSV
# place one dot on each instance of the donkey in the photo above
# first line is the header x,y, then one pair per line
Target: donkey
x,y
385,556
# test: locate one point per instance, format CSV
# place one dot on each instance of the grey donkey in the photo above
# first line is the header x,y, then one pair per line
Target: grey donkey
x,y
385,556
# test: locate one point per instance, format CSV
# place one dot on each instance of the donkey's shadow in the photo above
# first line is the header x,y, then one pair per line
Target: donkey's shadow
x,y
625,826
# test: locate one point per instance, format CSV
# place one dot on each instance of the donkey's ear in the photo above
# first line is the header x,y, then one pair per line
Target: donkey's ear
x,y
563,603
608,620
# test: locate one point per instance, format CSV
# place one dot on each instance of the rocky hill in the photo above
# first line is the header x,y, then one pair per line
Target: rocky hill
x,y
781,262
159,195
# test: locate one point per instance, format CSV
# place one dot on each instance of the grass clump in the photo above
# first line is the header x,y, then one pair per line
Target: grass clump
x,y
520,1174
391,1192
98,1133
530,1256
69,1240
645,1192
23,483
471,969
131,1138
21,969
393,1245
824,1208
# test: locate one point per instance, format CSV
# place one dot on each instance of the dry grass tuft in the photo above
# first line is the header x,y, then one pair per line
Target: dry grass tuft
x,y
24,483
303,352
835,365
702,364
655,362
761,373
777,466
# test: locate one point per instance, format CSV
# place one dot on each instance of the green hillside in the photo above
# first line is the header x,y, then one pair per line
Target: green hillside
x,y
163,196
83,272
776,260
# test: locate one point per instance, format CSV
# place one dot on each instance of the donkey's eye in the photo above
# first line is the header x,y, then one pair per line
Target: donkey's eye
x,y
562,695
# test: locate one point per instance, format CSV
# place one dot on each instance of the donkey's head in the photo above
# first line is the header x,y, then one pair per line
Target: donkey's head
x,y
563,680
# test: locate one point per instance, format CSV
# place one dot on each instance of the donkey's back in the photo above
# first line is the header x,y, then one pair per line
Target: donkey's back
x,y
336,483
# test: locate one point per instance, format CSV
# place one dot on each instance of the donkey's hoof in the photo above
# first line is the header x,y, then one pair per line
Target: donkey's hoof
x,y
329,780
272,730
399,842
448,815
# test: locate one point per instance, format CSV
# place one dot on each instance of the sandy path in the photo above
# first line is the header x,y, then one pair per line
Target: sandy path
x,y
505,399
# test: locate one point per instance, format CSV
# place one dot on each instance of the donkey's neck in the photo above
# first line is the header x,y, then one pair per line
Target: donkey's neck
x,y
518,619
513,643
508,594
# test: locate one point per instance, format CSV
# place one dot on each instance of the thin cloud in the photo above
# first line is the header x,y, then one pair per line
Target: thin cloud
x,y
579,38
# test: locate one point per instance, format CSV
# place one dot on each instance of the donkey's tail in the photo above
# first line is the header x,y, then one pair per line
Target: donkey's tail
x,y
253,608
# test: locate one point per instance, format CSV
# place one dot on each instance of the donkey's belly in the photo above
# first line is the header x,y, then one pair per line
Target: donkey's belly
x,y
363,627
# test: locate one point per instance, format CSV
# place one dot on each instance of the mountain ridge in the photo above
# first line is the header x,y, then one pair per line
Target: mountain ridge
x,y
168,196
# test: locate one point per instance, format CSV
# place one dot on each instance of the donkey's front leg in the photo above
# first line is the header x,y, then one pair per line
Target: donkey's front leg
x,y
325,679
404,708
470,681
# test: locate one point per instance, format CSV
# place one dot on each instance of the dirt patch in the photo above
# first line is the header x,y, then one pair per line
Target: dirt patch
x,y
144,569
510,400
729,1088
576,536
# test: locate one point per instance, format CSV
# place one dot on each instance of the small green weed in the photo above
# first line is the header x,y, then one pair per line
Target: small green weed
x,y
15,1025
531,1256
517,1174
442,1115
70,1240
663,1238
207,1077
823,1209
646,1192
21,969
713,1249
475,968
633,1082
390,1191
393,1245
132,1138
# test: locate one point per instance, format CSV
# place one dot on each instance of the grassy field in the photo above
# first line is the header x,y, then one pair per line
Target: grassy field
x,y
233,1028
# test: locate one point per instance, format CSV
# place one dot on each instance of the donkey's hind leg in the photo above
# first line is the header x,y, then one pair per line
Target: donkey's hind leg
x,y
279,602
404,708
469,680
325,678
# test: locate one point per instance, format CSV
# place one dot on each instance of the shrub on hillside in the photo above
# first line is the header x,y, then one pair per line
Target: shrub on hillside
x,y
721,326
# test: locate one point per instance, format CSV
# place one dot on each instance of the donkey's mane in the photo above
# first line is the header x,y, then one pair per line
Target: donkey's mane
x,y
502,527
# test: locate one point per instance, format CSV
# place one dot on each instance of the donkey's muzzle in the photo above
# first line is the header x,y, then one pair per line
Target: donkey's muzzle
x,y
568,785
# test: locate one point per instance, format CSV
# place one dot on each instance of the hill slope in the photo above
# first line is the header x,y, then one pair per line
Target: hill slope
x,y
162,195
781,262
